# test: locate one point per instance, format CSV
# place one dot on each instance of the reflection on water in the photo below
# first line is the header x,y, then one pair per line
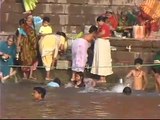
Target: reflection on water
x,y
17,102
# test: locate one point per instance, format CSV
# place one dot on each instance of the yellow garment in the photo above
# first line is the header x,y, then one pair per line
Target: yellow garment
x,y
79,35
47,47
45,30
47,62
152,8
60,40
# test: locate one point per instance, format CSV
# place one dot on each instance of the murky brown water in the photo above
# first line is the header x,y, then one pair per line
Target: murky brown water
x,y
17,102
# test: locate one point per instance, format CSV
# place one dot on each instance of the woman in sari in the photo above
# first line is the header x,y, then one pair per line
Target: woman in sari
x,y
27,48
7,56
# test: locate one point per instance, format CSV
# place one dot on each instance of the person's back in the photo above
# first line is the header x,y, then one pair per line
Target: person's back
x,y
55,83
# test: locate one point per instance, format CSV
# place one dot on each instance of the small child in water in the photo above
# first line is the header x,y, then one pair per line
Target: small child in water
x,y
39,93
80,81
127,91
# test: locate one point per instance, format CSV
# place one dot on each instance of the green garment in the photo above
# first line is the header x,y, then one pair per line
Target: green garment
x,y
131,19
5,66
79,35
156,68
29,4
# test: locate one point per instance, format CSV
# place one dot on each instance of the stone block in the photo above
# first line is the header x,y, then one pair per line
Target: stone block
x,y
96,10
17,8
11,18
76,1
126,2
90,19
73,9
43,8
47,1
127,42
73,29
50,8
75,20
6,7
120,57
99,2
156,44
62,1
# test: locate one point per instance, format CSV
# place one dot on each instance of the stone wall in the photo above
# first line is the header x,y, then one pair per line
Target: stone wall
x,y
66,15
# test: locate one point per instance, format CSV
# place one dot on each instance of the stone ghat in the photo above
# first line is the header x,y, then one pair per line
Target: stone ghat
x,y
65,15
121,55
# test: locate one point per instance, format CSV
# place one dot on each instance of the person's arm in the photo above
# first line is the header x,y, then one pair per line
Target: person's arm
x,y
93,83
129,74
2,52
100,34
18,43
145,81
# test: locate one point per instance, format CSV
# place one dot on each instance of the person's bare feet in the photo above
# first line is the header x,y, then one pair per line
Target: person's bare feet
x,y
48,79
24,78
33,78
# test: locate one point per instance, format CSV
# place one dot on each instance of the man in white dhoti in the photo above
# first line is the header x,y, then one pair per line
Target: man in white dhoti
x,y
79,51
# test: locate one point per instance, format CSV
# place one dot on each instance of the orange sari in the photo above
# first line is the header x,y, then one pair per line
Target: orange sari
x,y
28,44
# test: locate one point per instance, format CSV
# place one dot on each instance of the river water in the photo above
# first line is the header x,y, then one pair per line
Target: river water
x,y
17,102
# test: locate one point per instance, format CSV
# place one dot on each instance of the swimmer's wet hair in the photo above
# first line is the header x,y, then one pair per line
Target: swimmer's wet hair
x,y
57,80
127,91
41,91
81,74
138,61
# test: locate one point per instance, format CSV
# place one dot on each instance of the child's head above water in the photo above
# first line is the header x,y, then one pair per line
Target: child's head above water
x,y
39,93
127,91
138,62
79,76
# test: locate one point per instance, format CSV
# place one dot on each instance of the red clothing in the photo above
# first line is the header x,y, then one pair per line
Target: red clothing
x,y
154,26
113,21
105,28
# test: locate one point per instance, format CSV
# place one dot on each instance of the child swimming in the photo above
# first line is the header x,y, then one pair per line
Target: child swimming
x,y
39,93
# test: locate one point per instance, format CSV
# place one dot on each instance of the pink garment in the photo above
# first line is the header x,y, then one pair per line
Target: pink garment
x,y
79,54
1,75
1,53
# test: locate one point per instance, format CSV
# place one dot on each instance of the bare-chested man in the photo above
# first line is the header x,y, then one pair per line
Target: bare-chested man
x,y
139,76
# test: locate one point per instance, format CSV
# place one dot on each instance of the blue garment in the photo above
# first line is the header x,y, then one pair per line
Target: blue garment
x,y
37,22
10,50
22,32
53,84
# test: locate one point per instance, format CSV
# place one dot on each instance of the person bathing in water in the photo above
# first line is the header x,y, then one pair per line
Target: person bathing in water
x,y
138,75
80,81
39,93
